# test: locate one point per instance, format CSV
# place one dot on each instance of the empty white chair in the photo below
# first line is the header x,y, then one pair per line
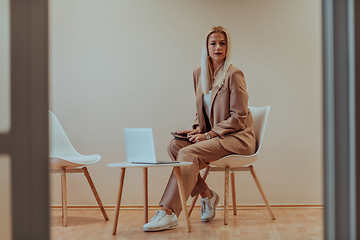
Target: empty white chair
x,y
232,163
65,159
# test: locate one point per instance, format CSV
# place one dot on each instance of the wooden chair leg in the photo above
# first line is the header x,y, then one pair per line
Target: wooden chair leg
x,y
226,191
261,191
64,196
196,197
97,197
117,209
146,215
232,175
182,197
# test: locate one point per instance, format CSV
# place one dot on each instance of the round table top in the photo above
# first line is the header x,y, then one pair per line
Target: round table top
x,y
166,164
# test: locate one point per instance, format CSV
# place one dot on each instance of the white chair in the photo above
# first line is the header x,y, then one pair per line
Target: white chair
x,y
232,163
65,159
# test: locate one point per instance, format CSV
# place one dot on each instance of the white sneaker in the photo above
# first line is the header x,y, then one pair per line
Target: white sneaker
x,y
208,207
161,221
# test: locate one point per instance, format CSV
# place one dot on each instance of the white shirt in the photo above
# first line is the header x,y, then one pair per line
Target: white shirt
x,y
207,99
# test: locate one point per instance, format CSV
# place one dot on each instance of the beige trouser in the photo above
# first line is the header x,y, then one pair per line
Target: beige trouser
x,y
199,154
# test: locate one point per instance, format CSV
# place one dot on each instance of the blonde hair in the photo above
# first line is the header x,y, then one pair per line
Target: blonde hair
x,y
206,70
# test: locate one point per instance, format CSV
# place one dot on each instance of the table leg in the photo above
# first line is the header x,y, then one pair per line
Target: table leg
x,y
117,209
182,197
146,215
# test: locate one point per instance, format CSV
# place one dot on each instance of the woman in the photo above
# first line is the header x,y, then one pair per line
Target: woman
x,y
223,126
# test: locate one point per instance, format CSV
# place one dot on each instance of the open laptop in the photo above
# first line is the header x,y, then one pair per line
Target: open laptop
x,y
139,146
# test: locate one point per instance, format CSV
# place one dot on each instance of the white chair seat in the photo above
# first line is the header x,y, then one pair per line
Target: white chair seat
x,y
72,161
234,161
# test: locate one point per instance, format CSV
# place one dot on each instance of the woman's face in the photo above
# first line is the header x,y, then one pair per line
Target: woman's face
x,y
217,47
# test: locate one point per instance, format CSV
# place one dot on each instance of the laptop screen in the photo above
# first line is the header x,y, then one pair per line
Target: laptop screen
x,y
139,145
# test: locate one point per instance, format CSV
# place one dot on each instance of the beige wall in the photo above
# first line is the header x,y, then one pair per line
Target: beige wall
x,y
117,64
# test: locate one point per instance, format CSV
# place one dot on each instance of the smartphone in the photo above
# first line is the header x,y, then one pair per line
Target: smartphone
x,y
180,136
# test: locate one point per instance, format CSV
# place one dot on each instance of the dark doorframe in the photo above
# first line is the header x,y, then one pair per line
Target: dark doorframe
x,y
357,102
341,116
27,140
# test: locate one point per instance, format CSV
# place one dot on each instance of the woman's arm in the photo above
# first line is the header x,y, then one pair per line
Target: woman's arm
x,y
238,106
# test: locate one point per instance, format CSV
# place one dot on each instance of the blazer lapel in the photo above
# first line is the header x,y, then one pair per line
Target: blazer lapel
x,y
214,92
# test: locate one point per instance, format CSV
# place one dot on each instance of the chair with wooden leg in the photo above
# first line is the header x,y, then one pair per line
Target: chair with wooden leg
x,y
65,159
233,163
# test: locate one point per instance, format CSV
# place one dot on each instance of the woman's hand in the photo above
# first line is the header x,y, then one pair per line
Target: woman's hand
x,y
201,137
197,138
184,133
193,135
190,132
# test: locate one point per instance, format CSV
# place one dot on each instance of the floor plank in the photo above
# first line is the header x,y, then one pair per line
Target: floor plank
x,y
249,224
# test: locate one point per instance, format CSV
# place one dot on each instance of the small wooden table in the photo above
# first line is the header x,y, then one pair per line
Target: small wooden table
x,y
176,166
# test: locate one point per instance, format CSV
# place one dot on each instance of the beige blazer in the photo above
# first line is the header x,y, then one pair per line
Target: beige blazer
x,y
230,116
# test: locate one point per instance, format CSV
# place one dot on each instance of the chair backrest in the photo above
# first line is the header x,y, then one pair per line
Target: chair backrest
x,y
260,116
60,145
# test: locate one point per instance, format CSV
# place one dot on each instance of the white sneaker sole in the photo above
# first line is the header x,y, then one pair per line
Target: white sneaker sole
x,y
161,228
213,216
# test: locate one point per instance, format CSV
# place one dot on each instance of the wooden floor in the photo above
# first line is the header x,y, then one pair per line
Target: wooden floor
x,y
249,224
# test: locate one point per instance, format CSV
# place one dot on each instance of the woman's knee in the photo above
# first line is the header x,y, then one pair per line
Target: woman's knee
x,y
173,148
184,155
